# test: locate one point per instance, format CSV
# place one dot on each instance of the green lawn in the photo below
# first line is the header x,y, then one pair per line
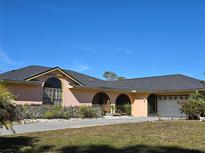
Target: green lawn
x,y
161,136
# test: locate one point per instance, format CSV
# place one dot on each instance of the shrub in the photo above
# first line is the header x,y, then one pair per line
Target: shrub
x,y
8,112
194,107
87,112
127,108
73,111
56,112
33,111
53,112
124,109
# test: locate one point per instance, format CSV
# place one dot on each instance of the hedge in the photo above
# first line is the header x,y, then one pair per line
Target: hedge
x,y
56,112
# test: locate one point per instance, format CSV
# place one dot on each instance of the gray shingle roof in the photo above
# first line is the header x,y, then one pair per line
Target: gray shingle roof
x,y
23,73
158,83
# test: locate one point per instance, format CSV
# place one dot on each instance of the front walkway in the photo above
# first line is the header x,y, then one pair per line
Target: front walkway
x,y
76,123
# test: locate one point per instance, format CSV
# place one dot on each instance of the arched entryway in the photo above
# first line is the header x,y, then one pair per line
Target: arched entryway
x,y
103,100
152,105
123,104
52,91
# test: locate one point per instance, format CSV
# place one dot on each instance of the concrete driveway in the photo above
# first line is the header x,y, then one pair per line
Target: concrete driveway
x,y
76,123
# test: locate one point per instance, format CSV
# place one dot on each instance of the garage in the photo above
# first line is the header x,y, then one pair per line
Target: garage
x,y
167,106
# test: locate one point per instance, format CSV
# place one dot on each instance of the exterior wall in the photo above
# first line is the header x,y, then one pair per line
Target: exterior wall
x,y
32,94
139,105
26,94
85,96
78,97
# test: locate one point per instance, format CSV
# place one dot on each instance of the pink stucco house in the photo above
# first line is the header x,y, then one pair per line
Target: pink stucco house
x,y
147,96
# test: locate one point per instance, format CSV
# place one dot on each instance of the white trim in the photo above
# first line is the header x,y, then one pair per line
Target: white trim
x,y
51,70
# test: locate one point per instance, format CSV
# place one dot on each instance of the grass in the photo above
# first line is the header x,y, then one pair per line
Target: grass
x,y
161,136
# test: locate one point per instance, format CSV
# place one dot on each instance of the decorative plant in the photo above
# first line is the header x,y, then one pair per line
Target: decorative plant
x,y
127,108
56,112
124,109
87,112
194,107
8,112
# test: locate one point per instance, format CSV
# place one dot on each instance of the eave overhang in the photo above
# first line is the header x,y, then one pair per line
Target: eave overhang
x,y
21,82
137,91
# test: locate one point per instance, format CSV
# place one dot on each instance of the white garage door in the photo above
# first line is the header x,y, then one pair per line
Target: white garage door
x,y
168,106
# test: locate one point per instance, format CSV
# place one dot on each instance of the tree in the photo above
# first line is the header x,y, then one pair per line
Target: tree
x,y
121,78
8,112
194,106
108,75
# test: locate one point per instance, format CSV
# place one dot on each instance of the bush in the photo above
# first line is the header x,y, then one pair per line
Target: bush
x,y
124,109
88,112
73,111
194,107
8,112
127,108
53,112
56,113
33,111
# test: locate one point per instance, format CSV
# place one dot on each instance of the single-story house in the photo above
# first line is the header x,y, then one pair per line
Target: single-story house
x,y
147,96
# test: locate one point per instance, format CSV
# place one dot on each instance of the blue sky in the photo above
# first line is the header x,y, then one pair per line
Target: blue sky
x,y
134,38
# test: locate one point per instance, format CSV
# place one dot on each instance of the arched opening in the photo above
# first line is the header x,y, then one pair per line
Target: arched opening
x,y
102,99
123,104
52,91
152,105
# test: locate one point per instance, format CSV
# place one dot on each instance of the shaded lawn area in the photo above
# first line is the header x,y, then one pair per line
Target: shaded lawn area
x,y
161,136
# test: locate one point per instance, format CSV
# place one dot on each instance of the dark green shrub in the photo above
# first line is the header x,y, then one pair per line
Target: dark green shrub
x,y
56,112
8,111
127,108
73,111
194,106
53,112
87,112
124,109
33,111
98,110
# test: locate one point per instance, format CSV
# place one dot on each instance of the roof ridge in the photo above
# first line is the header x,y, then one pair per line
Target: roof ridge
x,y
152,77
191,77
64,70
82,74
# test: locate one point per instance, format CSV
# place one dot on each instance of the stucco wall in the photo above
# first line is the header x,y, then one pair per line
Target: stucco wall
x,y
139,105
32,94
26,94
85,96
140,102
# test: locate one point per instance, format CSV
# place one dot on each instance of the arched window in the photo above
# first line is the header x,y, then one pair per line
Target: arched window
x,y
103,100
52,91
123,104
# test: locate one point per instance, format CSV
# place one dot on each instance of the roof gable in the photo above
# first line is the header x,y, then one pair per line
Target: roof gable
x,y
51,70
